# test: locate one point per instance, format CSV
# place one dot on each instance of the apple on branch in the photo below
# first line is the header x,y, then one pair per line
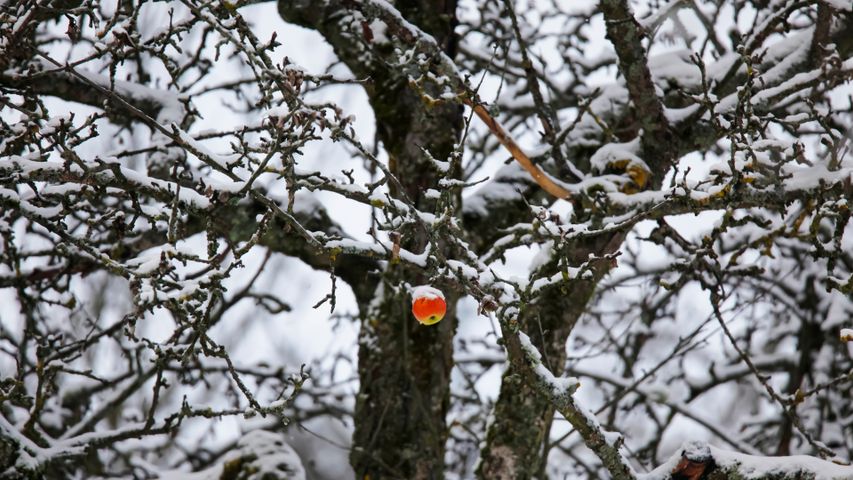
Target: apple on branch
x,y
428,304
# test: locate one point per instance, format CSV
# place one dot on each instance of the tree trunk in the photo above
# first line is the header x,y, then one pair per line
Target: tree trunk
x,y
404,367
522,417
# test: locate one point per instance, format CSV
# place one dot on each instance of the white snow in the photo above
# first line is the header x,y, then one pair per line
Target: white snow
x,y
268,455
755,466
615,152
559,386
426,292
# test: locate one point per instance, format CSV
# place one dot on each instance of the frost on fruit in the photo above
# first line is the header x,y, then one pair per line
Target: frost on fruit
x,y
426,291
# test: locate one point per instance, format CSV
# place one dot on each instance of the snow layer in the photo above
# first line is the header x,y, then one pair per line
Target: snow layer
x,y
426,291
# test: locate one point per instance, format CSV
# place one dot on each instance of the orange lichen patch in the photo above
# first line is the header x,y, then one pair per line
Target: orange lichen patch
x,y
639,175
637,172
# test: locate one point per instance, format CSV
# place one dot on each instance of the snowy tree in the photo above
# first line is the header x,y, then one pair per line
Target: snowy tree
x,y
215,216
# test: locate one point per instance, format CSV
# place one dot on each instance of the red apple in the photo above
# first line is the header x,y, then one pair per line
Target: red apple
x,y
428,305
